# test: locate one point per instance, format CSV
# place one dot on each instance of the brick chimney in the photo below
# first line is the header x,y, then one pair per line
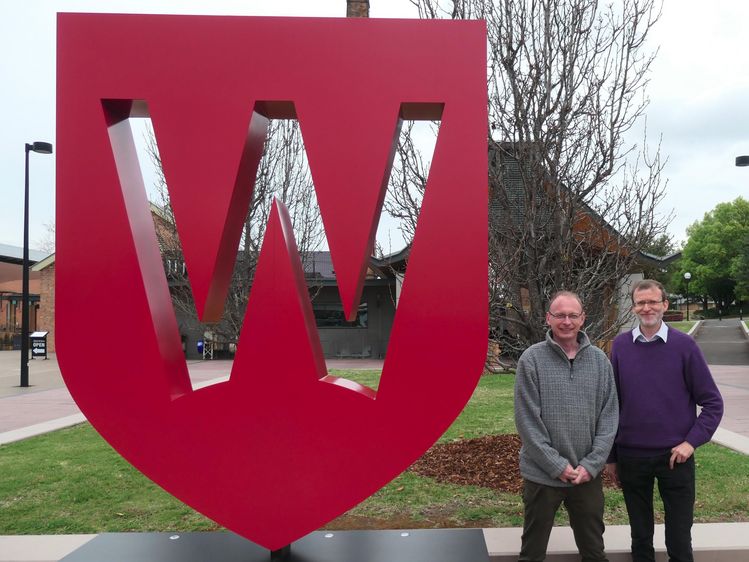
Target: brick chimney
x,y
357,8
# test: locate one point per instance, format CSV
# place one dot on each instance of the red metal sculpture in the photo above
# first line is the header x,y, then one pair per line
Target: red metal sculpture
x,y
281,448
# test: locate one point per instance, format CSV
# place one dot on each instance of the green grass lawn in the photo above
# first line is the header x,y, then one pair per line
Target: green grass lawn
x,y
683,326
71,481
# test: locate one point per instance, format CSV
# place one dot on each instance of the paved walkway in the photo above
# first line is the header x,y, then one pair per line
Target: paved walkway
x,y
47,405
726,349
723,343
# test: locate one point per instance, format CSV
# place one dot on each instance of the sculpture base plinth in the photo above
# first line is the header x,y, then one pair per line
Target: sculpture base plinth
x,y
422,545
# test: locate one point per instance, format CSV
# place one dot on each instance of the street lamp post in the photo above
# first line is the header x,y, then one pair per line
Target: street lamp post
x,y
39,148
687,277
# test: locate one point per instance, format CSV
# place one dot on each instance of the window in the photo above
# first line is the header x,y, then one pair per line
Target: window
x,y
330,315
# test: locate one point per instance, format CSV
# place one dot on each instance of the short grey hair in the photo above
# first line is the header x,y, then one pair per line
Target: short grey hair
x,y
570,294
646,284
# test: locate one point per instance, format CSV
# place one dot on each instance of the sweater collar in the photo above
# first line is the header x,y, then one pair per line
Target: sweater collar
x,y
582,339
662,333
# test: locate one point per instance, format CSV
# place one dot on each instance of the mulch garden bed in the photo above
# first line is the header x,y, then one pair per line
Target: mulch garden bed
x,y
490,462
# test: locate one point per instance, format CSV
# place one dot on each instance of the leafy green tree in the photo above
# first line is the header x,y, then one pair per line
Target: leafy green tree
x,y
741,271
716,250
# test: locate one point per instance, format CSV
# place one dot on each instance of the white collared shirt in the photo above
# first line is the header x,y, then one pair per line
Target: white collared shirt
x,y
638,336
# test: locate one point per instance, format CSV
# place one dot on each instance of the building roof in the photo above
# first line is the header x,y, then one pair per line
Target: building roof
x,y
11,266
658,261
503,153
319,265
45,263
14,254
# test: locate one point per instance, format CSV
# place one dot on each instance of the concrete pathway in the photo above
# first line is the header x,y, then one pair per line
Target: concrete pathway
x,y
726,349
46,405
723,342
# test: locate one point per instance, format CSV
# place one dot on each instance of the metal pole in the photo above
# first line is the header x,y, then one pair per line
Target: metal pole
x,y
25,289
687,300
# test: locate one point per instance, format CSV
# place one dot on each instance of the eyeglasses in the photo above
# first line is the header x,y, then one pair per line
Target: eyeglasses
x,y
643,304
561,316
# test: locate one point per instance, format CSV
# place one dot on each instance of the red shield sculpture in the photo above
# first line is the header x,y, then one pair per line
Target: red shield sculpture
x,y
280,448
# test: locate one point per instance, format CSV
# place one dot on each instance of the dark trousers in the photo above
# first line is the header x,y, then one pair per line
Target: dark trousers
x,y
676,487
583,502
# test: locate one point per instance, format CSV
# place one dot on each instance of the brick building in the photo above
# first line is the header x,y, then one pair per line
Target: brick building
x,y
11,297
46,316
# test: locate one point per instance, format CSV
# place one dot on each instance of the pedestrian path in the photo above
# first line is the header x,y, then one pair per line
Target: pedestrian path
x,y
46,405
723,342
726,350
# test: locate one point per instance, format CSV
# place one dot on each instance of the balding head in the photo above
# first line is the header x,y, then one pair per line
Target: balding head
x,y
568,294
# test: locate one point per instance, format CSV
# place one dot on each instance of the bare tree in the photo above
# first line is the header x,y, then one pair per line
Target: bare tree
x,y
46,242
571,204
283,173
407,183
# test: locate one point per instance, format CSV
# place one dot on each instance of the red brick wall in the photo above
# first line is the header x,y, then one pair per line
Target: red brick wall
x,y
46,316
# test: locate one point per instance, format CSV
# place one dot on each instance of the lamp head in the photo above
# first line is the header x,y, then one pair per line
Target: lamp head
x,y
687,276
42,147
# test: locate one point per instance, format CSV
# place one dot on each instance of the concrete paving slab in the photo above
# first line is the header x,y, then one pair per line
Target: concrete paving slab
x,y
733,382
44,374
732,440
723,342
23,410
713,542
39,548
48,399
40,428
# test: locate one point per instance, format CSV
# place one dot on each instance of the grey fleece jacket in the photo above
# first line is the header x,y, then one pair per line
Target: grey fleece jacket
x,y
565,412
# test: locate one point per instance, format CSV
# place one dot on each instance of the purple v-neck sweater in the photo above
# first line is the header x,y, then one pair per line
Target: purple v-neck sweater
x,y
660,384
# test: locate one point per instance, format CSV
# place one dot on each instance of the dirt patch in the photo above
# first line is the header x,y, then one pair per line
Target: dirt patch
x,y
490,462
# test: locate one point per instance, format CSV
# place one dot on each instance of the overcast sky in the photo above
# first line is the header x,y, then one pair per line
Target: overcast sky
x,y
699,95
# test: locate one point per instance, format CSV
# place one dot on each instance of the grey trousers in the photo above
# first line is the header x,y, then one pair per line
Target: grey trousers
x,y
583,502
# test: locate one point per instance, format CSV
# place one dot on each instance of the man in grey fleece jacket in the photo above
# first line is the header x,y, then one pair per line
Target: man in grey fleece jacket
x,y
566,412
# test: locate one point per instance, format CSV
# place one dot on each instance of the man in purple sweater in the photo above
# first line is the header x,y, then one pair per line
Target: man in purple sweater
x,y
661,377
